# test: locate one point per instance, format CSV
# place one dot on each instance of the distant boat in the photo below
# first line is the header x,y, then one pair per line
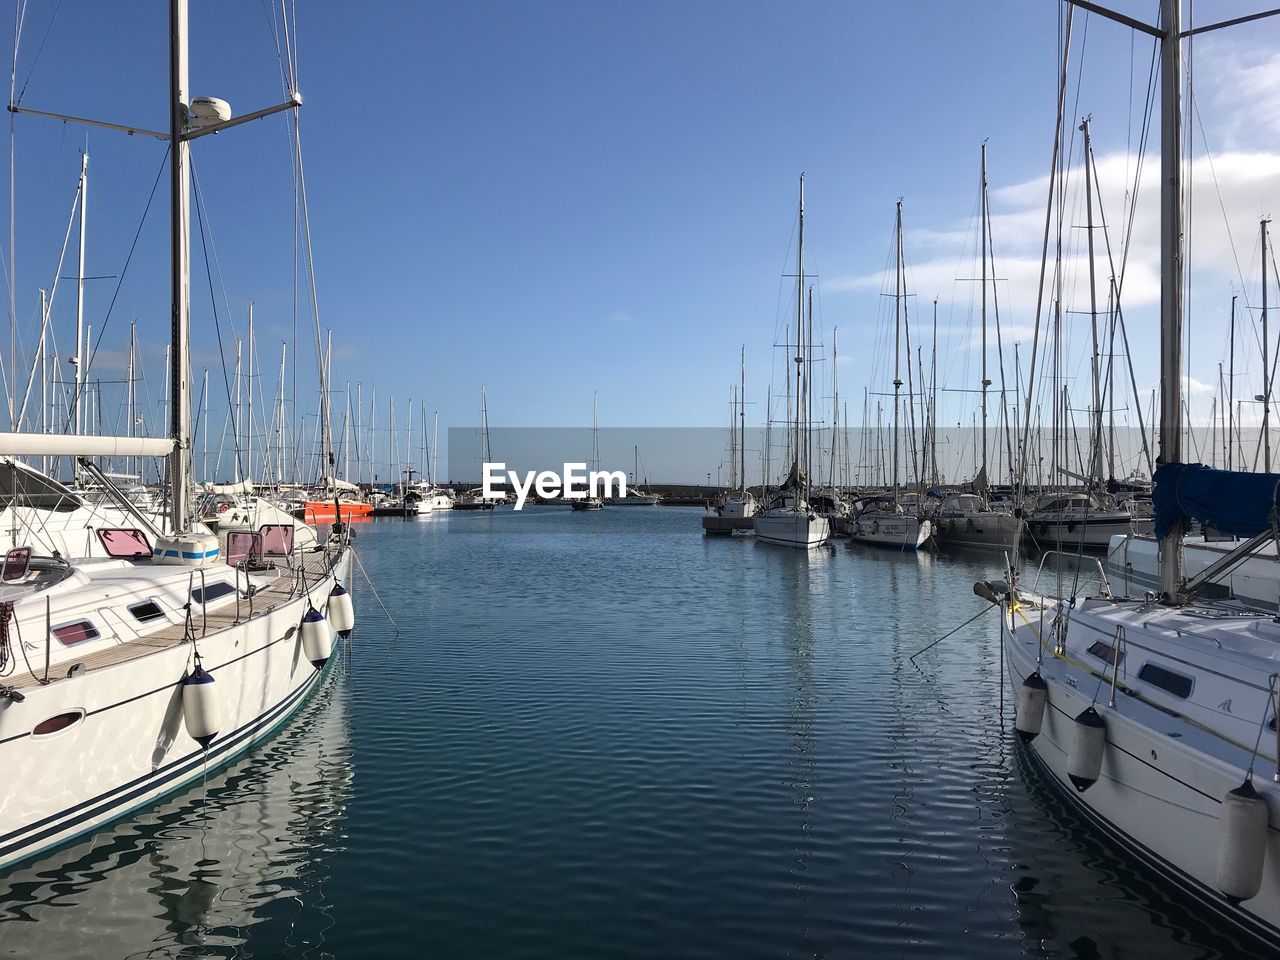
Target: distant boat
x,y
888,521
474,499
335,499
636,495
738,503
969,518
591,502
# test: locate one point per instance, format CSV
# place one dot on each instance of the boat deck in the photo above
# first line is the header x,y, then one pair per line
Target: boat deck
x,y
271,591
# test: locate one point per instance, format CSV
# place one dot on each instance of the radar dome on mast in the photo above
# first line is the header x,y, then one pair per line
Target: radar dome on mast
x,y
206,111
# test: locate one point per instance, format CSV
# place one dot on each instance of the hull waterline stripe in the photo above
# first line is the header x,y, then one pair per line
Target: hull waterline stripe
x,y
1249,923
148,782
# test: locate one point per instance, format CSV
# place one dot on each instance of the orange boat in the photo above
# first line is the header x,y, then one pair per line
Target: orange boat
x,y
323,511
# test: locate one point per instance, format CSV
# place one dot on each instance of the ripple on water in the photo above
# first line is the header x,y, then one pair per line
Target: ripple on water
x,y
605,735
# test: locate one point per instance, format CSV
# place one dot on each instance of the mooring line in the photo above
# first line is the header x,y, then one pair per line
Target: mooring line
x,y
375,591
912,658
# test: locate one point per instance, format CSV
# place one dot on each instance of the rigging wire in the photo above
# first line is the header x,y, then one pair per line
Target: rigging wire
x,y
213,301
164,161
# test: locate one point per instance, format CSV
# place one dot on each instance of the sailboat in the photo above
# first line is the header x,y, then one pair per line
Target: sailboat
x,y
591,502
475,499
884,521
1156,717
739,502
130,677
968,518
790,521
637,495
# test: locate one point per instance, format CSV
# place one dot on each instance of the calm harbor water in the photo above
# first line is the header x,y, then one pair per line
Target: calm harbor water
x,y
603,735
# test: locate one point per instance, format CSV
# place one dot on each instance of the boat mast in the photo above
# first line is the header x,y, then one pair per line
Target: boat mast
x,y
1095,428
897,344
180,334
1170,556
742,418
933,397
595,434
982,228
1231,391
284,353
248,423
79,361
799,357
131,400
435,438
1266,367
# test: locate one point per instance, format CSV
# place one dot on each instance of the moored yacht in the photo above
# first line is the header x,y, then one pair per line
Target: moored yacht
x,y
131,675
884,522
1078,520
790,520
1156,717
970,520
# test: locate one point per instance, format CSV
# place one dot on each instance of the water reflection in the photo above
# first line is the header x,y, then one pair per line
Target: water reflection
x,y
1078,896
246,850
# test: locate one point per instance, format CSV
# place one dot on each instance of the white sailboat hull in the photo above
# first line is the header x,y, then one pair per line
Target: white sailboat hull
x,y
130,746
636,500
1158,797
1132,568
787,528
899,532
1093,533
996,530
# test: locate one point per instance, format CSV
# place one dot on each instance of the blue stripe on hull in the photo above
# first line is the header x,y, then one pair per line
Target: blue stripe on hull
x,y
1240,920
173,777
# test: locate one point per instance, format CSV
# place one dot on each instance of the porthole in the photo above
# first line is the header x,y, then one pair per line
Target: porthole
x,y
57,723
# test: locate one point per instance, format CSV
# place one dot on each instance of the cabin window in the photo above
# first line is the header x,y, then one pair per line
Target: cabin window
x,y
277,539
211,592
146,611
1106,653
1167,680
57,722
70,634
124,544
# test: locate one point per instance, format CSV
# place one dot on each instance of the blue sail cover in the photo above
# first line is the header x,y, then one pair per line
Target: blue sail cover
x,y
1243,504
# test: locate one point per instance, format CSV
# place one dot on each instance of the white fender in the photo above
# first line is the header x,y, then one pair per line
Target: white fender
x,y
342,612
200,713
317,638
1084,762
1242,844
1033,696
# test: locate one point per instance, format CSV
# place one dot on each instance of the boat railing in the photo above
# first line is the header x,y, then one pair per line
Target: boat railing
x,y
1075,558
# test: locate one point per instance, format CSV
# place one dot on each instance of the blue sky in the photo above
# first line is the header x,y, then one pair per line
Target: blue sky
x,y
557,198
